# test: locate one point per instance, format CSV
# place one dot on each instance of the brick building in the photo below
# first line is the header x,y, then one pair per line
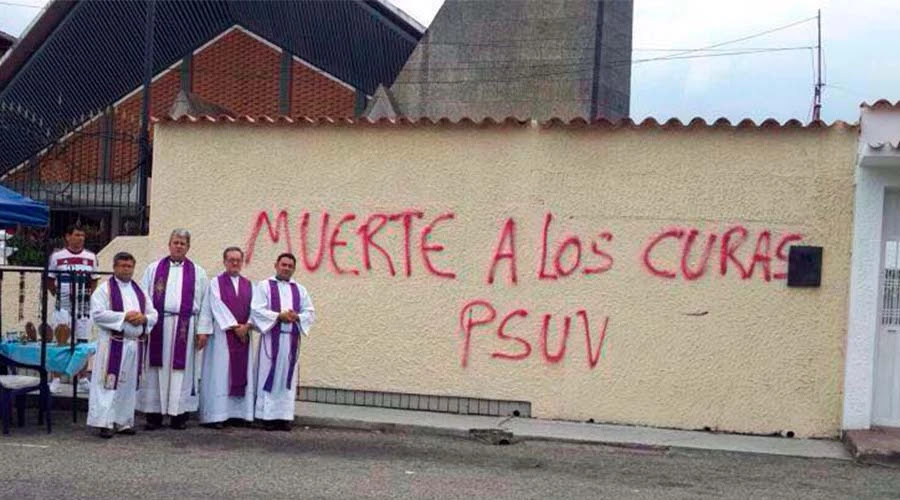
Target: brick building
x,y
71,88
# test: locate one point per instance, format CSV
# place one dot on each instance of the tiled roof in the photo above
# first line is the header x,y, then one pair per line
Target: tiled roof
x,y
881,104
882,145
674,123
889,147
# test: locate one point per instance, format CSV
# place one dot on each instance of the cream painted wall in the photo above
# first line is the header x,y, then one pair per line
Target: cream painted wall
x,y
30,308
733,354
135,245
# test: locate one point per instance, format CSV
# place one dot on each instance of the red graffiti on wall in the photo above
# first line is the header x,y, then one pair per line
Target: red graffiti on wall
x,y
313,265
648,261
281,222
479,312
562,342
568,255
335,242
366,234
468,323
574,247
702,262
506,249
334,237
407,219
677,252
779,253
373,241
593,355
427,247
761,255
501,332
606,260
730,244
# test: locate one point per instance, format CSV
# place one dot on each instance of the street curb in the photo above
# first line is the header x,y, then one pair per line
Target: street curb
x,y
493,436
498,432
363,425
611,444
471,434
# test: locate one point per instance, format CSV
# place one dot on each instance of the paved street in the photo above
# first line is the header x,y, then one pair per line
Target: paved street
x,y
323,463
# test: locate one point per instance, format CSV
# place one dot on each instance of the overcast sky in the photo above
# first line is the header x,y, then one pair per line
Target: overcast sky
x,y
860,39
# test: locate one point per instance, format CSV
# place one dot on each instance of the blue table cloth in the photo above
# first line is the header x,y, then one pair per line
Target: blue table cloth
x,y
59,358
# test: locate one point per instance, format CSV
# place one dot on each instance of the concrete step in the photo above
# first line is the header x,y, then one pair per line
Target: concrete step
x,y
878,445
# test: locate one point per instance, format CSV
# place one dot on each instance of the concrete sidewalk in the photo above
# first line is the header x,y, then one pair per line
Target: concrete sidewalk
x,y
497,429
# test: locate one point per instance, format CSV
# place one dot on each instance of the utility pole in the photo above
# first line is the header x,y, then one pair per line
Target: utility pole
x,y
817,96
144,165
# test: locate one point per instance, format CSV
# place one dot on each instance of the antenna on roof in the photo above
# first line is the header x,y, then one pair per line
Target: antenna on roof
x,y
817,95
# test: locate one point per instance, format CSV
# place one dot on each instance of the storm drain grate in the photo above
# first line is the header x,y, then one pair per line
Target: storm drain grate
x,y
423,402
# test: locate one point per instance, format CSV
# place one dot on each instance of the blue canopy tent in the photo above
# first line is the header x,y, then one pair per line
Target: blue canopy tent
x,y
18,209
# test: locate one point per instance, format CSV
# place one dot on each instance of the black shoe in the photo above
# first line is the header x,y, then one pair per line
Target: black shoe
x,y
178,422
269,425
128,431
284,425
236,422
154,421
214,425
106,433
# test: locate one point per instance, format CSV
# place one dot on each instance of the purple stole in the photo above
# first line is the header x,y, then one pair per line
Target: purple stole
x,y
275,333
114,364
238,352
160,279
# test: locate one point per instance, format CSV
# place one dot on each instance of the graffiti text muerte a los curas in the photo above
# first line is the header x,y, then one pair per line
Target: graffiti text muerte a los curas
x,y
568,257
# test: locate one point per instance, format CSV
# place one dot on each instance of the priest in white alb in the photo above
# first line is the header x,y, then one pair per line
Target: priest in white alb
x,y
123,313
170,386
283,311
226,384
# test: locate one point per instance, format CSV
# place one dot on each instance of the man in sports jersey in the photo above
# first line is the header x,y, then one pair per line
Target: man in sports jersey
x,y
63,286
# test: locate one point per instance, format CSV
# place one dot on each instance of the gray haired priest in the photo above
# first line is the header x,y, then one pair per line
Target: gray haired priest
x,y
178,287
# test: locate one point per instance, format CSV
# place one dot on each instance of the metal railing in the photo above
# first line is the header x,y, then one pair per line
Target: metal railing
x,y
44,332
86,169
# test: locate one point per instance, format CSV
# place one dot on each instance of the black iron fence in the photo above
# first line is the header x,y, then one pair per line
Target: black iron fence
x,y
29,312
92,167
90,176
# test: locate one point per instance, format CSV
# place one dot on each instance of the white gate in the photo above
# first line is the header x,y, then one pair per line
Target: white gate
x,y
886,400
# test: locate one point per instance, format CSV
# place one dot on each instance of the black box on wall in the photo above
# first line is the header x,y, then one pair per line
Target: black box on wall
x,y
805,266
